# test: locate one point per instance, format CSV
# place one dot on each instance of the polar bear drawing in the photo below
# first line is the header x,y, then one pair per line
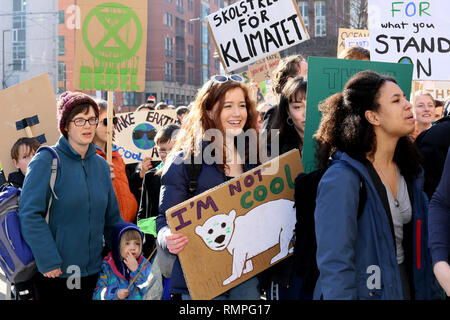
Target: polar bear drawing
x,y
246,236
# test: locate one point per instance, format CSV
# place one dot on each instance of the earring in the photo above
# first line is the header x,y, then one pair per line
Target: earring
x,y
289,121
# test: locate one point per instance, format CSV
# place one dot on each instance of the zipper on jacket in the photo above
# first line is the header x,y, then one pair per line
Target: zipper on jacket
x,y
418,242
89,211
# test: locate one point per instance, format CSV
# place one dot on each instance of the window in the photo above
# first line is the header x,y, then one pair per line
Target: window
x,y
190,5
190,75
19,5
205,56
205,34
61,46
168,47
303,6
61,17
320,19
168,19
190,53
168,71
190,28
180,8
130,98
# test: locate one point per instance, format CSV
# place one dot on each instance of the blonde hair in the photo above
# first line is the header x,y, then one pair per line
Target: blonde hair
x,y
355,53
129,235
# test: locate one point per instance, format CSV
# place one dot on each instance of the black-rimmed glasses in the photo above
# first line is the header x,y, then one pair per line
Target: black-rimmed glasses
x,y
80,122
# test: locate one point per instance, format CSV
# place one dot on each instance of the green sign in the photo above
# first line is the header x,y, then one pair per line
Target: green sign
x,y
328,76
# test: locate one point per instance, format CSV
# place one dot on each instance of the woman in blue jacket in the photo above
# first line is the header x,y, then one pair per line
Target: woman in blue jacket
x,y
68,250
224,109
382,253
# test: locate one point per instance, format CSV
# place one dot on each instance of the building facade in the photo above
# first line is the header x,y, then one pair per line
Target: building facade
x,y
29,40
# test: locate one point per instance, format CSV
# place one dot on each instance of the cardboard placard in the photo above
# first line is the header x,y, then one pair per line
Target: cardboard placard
x,y
328,76
29,110
110,52
412,32
247,31
363,42
261,70
135,131
345,33
440,90
239,228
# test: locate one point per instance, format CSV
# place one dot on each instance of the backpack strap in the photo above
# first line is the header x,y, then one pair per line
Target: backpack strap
x,y
193,172
54,170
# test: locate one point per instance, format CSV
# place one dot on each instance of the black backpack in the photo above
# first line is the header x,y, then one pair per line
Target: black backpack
x,y
305,245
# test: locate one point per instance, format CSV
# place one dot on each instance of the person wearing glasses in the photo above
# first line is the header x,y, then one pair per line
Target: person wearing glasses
x,y
83,210
127,202
222,103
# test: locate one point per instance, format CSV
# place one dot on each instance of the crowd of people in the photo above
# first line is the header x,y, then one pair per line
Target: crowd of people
x,y
370,135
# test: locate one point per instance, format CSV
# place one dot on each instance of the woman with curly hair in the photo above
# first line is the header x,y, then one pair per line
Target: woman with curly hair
x,y
222,111
381,253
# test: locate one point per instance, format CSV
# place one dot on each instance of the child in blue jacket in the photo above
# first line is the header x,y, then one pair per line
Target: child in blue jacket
x,y
124,265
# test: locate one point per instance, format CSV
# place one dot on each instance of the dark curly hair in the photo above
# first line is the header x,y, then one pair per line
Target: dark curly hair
x,y
344,126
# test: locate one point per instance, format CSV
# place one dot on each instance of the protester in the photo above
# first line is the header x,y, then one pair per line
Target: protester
x,y
84,207
145,107
164,140
262,109
439,228
125,271
127,202
22,152
162,106
433,145
424,110
289,118
222,103
383,253
439,110
289,121
355,53
182,112
289,67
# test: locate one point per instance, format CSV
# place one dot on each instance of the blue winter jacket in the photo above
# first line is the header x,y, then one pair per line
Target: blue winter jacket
x,y
86,210
174,190
356,257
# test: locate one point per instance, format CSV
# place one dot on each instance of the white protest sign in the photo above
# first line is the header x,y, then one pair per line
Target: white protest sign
x,y
135,132
412,32
362,42
250,30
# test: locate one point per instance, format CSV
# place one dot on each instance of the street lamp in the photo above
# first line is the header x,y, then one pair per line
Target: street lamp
x,y
3,58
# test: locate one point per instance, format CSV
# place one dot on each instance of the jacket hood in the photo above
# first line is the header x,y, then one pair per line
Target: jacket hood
x,y
116,234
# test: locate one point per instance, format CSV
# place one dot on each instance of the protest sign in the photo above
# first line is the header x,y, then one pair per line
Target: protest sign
x,y
134,133
412,32
328,76
249,30
110,52
261,70
239,228
345,33
362,42
440,90
29,110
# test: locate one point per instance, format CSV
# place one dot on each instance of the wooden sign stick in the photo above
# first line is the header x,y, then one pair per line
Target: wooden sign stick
x,y
148,259
109,127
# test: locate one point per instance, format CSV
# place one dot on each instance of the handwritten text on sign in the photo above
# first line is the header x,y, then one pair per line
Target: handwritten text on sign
x,y
249,30
412,32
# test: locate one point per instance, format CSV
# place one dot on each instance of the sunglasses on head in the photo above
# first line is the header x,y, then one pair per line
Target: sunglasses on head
x,y
105,121
218,78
